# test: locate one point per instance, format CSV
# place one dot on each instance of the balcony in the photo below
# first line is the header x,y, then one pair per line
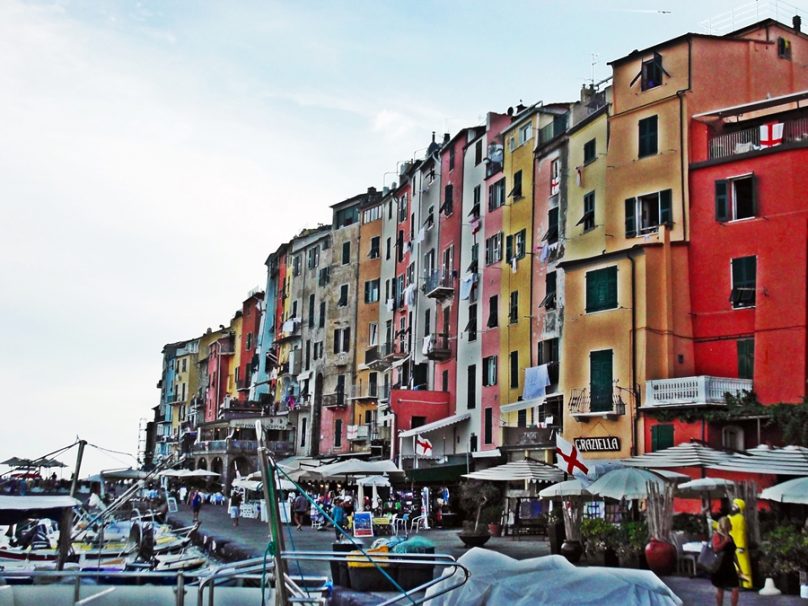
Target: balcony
x,y
692,391
338,399
226,447
439,347
342,358
553,130
609,405
281,448
394,351
747,140
358,433
374,359
439,284
365,391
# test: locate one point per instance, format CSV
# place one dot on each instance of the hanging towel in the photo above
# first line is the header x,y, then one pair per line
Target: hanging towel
x,y
289,325
390,304
427,344
475,225
537,378
545,252
466,285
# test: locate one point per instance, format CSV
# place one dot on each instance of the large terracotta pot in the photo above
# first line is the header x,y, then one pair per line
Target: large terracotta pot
x,y
661,557
471,539
572,550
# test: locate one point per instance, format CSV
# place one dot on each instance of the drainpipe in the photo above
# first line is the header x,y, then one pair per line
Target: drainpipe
x,y
682,160
633,350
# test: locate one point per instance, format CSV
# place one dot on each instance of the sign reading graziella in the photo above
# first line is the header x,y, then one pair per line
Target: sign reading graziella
x,y
607,444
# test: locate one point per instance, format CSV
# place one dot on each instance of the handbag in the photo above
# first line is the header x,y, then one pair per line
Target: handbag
x,y
709,560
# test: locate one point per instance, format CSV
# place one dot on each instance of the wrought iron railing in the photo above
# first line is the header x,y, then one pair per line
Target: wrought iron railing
x,y
746,140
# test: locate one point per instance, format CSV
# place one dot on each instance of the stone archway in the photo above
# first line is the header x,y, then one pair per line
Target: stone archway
x,y
217,465
191,464
202,464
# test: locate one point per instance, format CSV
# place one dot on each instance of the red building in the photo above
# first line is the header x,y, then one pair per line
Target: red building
x,y
250,329
219,359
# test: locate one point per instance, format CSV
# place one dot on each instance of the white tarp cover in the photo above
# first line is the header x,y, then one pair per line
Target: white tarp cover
x,y
550,580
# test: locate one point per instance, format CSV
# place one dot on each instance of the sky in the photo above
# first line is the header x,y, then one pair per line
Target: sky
x,y
152,154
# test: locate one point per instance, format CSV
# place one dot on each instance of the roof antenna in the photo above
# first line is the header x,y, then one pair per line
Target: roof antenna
x,y
593,64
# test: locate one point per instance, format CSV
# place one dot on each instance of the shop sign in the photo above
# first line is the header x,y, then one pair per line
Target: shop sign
x,y
604,444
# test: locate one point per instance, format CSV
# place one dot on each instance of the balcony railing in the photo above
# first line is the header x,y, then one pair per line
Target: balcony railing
x,y
364,391
693,391
394,350
226,446
439,347
439,284
281,447
748,139
358,433
338,399
608,403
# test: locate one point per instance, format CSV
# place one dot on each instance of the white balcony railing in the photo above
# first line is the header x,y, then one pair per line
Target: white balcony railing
x,y
693,390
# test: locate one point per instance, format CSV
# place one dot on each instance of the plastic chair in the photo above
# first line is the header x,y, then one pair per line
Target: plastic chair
x,y
400,523
685,562
417,523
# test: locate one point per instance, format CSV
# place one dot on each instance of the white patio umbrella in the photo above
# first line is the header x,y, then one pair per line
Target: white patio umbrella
x,y
173,473
687,454
786,461
353,467
567,489
526,470
707,488
792,491
626,483
374,482
200,473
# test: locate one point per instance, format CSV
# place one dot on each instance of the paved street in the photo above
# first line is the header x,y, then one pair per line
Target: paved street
x,y
250,539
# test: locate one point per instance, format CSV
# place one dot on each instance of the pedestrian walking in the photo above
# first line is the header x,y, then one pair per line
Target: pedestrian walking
x,y
235,507
196,504
726,577
338,515
299,507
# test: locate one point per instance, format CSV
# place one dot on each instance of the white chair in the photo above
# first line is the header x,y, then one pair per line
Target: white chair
x,y
685,562
400,523
417,523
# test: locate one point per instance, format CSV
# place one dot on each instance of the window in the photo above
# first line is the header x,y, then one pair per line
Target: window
x,y
451,158
477,197
372,291
549,301
525,133
652,72
296,265
496,195
783,48
322,314
493,249
589,151
490,371
337,433
471,327
601,289
488,428
388,249
311,311
448,203
732,437
303,424
735,198
478,152
343,295
372,214
513,310
548,354
313,257
515,245
416,421
373,334
648,137
471,402
600,380
324,276
644,214
551,235
346,253
521,418
375,247
514,360
555,177
493,311
516,191
588,218
342,340
428,322
402,208
746,358
744,282
661,437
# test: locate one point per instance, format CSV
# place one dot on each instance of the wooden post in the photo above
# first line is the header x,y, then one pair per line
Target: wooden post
x,y
65,531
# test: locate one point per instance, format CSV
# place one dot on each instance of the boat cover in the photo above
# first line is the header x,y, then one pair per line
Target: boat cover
x,y
13,509
550,580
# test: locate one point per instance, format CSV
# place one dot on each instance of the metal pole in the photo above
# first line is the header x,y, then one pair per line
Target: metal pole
x,y
273,516
79,456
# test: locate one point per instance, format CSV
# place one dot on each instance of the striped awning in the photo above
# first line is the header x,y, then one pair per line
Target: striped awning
x,y
435,425
525,404
786,461
528,469
689,454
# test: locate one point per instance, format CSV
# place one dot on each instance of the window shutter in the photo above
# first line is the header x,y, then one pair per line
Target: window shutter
x,y
661,437
665,208
336,340
611,286
346,339
754,195
631,218
508,248
721,206
600,377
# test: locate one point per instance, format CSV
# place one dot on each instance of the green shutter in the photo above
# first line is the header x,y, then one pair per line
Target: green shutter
x,y
746,358
508,248
601,289
611,287
600,380
661,437
665,208
631,219
721,206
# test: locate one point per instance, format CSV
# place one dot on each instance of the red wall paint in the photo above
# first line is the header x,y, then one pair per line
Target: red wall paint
x,y
250,325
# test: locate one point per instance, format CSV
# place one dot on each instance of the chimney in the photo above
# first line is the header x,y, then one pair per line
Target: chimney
x,y
446,138
520,108
371,192
796,22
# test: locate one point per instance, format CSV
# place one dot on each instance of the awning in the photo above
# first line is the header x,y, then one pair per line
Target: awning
x,y
304,375
486,454
15,509
435,425
444,474
400,362
525,404
528,469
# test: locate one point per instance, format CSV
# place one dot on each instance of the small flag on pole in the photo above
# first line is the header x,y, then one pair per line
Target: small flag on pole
x,y
569,460
423,447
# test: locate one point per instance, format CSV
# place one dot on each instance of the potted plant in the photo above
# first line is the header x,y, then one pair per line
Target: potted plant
x,y
477,497
785,556
601,539
660,553
631,544
555,530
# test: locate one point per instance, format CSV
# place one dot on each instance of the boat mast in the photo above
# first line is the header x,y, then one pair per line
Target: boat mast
x,y
268,474
74,485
